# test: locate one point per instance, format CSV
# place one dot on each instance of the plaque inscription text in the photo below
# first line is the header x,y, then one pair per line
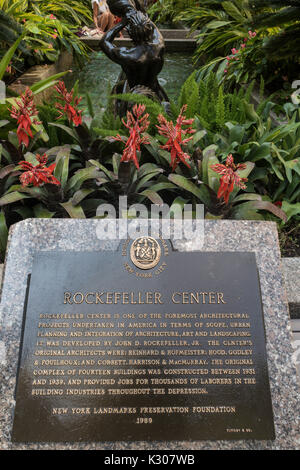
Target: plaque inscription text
x,y
109,354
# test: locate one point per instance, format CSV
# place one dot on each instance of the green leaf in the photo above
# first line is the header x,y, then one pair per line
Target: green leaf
x,y
116,159
201,192
268,206
41,212
291,209
8,56
61,171
243,174
208,153
153,196
178,202
80,177
80,195
108,173
233,11
237,133
161,186
246,211
75,212
66,129
198,136
141,181
33,29
217,24
259,152
90,105
12,197
6,170
3,235
247,197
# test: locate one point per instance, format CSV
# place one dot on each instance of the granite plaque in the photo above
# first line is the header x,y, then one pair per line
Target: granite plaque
x,y
145,343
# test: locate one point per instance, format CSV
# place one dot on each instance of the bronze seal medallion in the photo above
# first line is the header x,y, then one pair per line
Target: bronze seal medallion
x,y
145,252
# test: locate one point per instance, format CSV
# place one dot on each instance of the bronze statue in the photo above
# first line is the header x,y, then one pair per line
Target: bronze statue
x,y
142,62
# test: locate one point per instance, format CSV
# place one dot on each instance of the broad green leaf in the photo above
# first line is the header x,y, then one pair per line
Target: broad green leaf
x,y
291,209
148,168
208,153
12,197
75,212
80,177
237,133
41,212
161,186
198,136
215,24
268,206
3,235
247,197
108,173
61,171
67,129
153,196
243,174
212,176
233,11
6,170
178,202
32,28
246,211
259,151
201,192
116,159
80,195
8,56
147,177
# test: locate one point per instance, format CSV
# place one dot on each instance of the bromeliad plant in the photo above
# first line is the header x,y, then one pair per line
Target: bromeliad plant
x,y
226,160
47,29
175,134
229,177
137,123
38,174
25,113
218,186
68,104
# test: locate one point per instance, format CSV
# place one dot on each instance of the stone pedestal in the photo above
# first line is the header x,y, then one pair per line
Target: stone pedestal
x,y
31,236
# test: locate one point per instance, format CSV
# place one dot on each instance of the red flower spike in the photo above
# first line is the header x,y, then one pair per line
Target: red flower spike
x,y
26,114
174,133
230,178
137,123
69,106
38,174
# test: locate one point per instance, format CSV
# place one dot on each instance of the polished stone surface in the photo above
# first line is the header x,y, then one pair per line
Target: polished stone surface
x,y
261,238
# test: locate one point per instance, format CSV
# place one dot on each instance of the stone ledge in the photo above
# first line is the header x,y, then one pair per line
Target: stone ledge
x,y
291,271
42,72
178,40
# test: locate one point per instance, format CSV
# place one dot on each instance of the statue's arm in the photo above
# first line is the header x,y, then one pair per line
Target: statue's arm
x,y
106,41
120,55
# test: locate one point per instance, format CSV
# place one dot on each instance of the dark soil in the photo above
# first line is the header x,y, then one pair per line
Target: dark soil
x,y
289,238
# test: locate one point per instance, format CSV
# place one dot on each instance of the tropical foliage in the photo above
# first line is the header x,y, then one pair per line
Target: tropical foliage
x,y
211,147
244,39
46,29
